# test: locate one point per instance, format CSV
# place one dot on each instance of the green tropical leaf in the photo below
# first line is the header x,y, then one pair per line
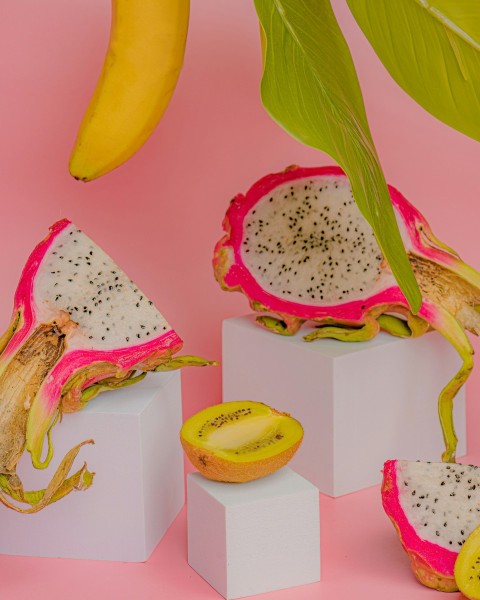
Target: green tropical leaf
x,y
432,50
310,88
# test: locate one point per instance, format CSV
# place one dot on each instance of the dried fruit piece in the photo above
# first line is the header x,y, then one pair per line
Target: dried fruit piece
x,y
467,566
434,508
297,246
80,326
240,441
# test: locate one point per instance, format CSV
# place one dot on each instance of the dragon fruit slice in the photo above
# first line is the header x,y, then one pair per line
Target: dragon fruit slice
x,y
80,326
434,507
297,246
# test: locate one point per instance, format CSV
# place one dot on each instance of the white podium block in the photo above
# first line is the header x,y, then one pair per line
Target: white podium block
x,y
138,488
360,403
254,537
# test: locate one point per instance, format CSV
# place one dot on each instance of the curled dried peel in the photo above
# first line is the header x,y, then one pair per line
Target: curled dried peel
x,y
297,246
80,327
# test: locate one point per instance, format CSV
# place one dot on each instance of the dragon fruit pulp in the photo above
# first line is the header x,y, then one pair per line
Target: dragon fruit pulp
x,y
434,508
297,246
80,326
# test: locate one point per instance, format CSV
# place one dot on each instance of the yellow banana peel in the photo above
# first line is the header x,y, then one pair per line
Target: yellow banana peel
x,y
139,75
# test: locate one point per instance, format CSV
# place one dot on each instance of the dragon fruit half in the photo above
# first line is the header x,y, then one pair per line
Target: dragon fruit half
x,y
434,508
297,246
80,326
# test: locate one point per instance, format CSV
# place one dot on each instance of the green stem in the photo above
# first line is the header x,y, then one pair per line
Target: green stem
x,y
279,326
176,362
7,336
394,326
452,330
413,326
346,333
106,385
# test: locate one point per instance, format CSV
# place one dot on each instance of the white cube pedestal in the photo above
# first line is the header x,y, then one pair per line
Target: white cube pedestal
x,y
138,488
360,403
254,537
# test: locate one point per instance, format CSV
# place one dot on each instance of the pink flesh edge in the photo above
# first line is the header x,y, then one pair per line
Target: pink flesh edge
x,y
123,358
448,326
46,402
440,559
415,222
22,300
354,312
97,378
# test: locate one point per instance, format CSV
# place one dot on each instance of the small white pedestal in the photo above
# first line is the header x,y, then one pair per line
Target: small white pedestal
x,y
360,403
255,537
138,488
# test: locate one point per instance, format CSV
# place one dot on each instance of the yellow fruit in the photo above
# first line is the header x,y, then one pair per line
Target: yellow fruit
x,y
467,566
140,72
240,441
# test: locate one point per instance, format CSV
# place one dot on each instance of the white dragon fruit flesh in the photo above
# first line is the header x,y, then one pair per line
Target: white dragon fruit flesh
x,y
434,508
297,246
80,326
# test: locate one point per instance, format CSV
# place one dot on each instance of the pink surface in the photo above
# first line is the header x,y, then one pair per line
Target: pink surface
x,y
361,558
160,215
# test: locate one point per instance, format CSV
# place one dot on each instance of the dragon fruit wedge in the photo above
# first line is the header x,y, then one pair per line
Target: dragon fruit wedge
x,y
434,507
298,247
80,326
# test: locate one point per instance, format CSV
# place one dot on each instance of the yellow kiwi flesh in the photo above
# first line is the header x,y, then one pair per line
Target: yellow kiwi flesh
x,y
240,441
467,566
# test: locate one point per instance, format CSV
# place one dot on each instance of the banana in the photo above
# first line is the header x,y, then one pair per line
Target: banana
x,y
139,75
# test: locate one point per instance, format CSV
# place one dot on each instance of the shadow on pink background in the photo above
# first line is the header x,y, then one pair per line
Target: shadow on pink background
x,y
160,215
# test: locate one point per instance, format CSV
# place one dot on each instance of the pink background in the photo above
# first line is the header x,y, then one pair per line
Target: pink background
x,y
159,216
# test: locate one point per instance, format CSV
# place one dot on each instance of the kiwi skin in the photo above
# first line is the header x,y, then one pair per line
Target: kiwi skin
x,y
217,468
213,467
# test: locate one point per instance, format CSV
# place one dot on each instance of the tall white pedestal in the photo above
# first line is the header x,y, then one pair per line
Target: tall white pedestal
x,y
255,537
138,488
360,403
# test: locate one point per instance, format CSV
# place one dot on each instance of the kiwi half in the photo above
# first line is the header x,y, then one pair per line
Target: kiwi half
x,y
240,441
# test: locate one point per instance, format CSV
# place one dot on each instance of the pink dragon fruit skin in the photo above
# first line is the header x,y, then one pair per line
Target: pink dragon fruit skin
x,y
83,363
450,498
450,288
